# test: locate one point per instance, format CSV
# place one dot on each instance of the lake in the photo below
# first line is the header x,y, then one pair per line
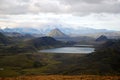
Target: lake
x,y
83,50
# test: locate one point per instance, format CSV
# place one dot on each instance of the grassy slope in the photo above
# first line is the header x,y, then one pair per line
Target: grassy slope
x,y
105,61
35,64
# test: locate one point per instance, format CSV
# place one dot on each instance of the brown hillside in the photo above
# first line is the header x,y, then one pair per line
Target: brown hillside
x,y
60,77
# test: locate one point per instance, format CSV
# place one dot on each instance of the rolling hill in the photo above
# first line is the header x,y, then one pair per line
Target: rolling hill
x,y
43,42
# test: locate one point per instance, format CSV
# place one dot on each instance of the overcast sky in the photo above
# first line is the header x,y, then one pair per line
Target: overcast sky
x,y
101,14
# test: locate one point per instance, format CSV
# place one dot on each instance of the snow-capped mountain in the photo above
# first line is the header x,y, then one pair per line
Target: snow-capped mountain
x,y
63,29
22,30
68,29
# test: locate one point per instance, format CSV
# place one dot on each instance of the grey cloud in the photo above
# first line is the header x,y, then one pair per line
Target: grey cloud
x,y
48,8
25,0
14,10
81,1
93,1
84,7
9,7
59,6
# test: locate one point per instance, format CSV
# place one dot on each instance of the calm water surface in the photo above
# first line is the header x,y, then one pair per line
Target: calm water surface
x,y
84,50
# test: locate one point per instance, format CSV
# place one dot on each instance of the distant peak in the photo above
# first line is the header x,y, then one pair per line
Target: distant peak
x,y
102,38
56,33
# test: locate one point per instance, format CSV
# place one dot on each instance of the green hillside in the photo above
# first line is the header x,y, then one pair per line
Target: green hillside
x,y
43,42
106,60
22,58
26,46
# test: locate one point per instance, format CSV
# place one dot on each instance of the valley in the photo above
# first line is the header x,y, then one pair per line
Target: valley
x,y
60,40
27,55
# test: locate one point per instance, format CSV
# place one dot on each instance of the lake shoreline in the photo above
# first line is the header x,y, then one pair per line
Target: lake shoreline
x,y
79,49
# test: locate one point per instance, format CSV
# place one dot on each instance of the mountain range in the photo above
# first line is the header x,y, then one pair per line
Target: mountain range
x,y
67,29
22,30
60,30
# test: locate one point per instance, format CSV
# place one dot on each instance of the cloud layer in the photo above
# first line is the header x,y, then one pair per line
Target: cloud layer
x,y
97,13
59,6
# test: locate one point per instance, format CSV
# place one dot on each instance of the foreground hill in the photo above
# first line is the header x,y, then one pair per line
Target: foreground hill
x,y
106,60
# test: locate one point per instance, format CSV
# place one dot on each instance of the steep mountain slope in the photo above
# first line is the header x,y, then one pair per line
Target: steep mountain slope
x,y
56,33
3,39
